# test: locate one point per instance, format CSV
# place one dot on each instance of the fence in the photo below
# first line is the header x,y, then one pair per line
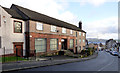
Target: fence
x,y
14,55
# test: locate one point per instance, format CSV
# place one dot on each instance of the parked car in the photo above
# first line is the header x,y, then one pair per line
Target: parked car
x,y
118,54
107,50
115,53
110,52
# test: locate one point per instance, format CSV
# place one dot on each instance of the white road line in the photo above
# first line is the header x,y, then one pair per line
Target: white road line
x,y
106,65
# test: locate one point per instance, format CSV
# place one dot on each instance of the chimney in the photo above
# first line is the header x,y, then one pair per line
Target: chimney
x,y
80,25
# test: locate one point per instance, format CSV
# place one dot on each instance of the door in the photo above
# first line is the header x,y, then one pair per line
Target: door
x,y
18,50
64,44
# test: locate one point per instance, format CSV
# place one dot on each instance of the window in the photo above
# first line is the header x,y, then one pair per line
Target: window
x,y
76,41
76,34
63,30
39,26
80,33
83,40
53,28
53,44
71,32
83,34
17,27
79,48
80,40
0,42
71,43
40,45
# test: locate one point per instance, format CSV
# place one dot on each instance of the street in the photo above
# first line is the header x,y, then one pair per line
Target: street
x,y
104,62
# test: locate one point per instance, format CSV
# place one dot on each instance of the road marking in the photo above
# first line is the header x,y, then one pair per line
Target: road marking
x,y
106,65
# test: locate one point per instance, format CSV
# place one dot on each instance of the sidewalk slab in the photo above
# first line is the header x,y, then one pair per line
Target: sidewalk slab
x,y
33,64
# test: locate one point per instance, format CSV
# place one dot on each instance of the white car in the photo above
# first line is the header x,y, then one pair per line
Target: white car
x,y
115,53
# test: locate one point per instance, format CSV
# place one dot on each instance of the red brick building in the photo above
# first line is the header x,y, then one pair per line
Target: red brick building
x,y
44,33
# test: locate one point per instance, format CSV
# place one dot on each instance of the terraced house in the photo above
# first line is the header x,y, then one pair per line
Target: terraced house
x,y
27,30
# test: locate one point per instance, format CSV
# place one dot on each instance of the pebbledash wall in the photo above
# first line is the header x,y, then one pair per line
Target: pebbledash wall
x,y
8,37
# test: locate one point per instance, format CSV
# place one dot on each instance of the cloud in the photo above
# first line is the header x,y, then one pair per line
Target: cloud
x,y
51,8
93,2
57,9
102,28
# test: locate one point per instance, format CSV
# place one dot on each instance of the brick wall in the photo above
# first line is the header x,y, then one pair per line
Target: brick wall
x,y
48,37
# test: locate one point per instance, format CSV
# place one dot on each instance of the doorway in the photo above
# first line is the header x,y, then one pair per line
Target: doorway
x,y
64,44
18,49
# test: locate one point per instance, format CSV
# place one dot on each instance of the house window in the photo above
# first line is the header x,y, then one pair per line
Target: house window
x,y
79,48
76,34
79,33
71,32
71,43
39,26
0,42
53,28
76,41
63,30
17,27
40,45
83,40
83,34
80,41
53,44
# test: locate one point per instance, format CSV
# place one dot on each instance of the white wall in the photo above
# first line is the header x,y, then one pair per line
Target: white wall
x,y
7,34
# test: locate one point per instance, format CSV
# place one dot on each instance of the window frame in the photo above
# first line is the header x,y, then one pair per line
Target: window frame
x,y
83,34
21,26
79,40
76,41
71,31
83,40
41,45
76,34
71,43
54,44
64,30
39,25
79,33
54,30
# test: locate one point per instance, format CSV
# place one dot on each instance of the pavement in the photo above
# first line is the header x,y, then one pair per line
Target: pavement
x,y
103,63
6,67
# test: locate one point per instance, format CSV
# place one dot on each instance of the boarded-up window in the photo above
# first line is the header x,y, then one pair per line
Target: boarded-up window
x,y
0,41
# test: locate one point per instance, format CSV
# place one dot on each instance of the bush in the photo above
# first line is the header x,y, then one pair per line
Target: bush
x,y
87,52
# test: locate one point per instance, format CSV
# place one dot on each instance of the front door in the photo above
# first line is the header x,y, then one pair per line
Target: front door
x,y
64,44
18,49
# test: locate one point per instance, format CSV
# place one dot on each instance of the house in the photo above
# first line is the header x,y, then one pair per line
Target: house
x,y
28,30
93,45
110,44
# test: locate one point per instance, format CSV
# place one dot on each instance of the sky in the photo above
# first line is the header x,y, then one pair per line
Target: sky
x,y
99,17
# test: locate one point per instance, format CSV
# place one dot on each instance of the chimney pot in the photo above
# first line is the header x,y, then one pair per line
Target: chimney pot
x,y
80,25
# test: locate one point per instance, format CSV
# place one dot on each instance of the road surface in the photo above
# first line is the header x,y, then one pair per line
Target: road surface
x,y
104,62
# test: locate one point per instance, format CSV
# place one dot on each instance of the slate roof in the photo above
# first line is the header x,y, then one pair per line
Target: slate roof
x,y
35,16
13,13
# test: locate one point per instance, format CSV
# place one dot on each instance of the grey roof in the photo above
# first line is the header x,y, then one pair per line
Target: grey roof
x,y
13,13
32,15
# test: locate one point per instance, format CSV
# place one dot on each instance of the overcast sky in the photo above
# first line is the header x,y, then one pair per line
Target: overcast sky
x,y
99,17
